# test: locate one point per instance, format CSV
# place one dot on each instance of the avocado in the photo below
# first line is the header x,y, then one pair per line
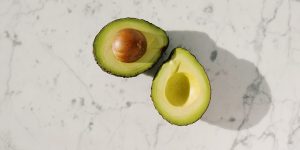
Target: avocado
x,y
127,47
181,90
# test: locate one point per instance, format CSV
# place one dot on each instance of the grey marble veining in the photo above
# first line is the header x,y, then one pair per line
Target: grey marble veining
x,y
53,96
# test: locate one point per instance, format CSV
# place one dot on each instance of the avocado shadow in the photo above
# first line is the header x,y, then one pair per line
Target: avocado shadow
x,y
240,95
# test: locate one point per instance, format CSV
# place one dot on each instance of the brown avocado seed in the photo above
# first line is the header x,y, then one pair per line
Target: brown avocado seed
x,y
129,45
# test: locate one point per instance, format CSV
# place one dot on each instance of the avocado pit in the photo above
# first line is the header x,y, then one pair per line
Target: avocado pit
x,y
129,45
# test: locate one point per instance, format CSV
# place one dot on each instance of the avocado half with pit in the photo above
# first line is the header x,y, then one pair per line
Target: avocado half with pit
x,y
127,47
181,90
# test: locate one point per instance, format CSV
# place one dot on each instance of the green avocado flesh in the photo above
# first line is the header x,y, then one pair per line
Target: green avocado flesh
x,y
156,38
181,90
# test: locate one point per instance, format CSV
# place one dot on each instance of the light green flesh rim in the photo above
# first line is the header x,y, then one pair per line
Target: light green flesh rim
x,y
156,40
180,109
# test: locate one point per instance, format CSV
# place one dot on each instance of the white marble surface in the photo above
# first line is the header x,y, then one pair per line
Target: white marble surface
x,y
53,96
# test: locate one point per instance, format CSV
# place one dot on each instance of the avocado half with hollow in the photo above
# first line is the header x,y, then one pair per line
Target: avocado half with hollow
x,y
127,47
181,90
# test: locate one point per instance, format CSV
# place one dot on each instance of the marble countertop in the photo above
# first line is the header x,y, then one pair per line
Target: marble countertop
x,y
53,96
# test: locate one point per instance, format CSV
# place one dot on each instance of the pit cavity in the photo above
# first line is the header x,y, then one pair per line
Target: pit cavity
x,y
177,89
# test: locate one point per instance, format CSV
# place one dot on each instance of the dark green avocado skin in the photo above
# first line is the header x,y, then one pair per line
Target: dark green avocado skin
x,y
163,49
170,56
